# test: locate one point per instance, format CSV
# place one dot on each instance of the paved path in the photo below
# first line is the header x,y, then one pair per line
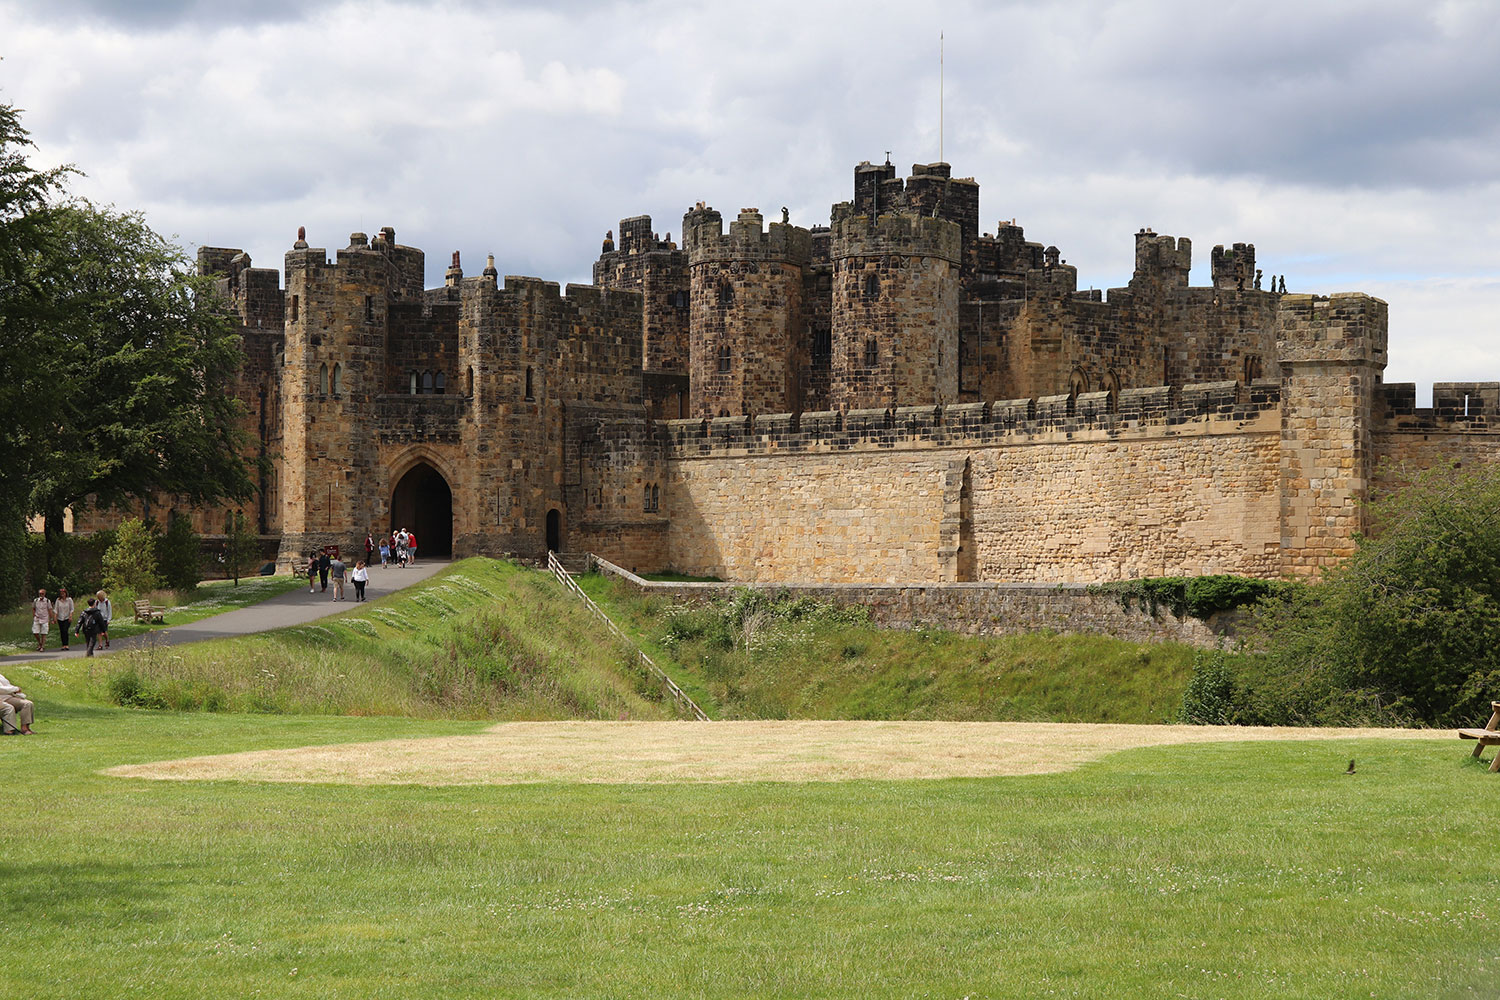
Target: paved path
x,y
295,608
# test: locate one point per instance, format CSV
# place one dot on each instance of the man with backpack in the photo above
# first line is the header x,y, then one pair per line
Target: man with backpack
x,y
92,625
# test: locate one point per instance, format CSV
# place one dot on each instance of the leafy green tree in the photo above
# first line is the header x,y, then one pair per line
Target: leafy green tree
x,y
130,563
180,554
119,360
241,548
1408,629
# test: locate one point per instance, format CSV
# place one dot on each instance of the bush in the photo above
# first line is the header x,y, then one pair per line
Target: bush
x,y
1198,596
1210,696
130,563
179,554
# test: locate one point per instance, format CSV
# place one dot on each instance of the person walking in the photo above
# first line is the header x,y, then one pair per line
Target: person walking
x,y
16,710
361,576
411,549
62,613
324,562
41,619
336,569
106,615
92,625
369,547
385,552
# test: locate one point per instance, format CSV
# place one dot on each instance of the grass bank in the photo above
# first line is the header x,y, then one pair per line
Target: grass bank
x,y
212,597
754,658
1247,871
483,639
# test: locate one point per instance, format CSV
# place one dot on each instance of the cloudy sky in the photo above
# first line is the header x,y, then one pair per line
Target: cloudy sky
x,y
1356,145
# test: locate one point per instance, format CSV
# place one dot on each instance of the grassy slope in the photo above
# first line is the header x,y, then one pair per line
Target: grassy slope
x,y
834,670
1212,871
209,598
483,639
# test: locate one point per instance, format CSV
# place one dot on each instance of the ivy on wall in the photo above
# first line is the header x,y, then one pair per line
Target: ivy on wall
x,y
1196,596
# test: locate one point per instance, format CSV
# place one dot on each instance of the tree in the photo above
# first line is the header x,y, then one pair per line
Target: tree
x,y
1408,629
241,547
130,563
119,361
179,554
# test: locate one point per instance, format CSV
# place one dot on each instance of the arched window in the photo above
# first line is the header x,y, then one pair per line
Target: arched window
x,y
646,503
338,378
323,378
1252,367
427,383
724,359
726,293
1078,382
440,382
872,286
1112,382
530,386
679,300
471,380
412,375
872,353
656,497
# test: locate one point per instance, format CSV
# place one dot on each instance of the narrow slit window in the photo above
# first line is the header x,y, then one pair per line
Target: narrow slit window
x,y
338,378
412,380
323,379
530,385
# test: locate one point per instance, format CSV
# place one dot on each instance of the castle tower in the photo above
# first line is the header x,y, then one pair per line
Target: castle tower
x,y
1161,261
1332,352
659,271
747,314
1234,269
331,491
895,310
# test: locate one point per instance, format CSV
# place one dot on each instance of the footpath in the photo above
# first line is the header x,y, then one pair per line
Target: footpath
x,y
295,608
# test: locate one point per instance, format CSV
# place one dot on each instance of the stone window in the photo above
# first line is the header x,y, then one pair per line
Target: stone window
x,y
427,383
440,383
1253,367
822,345
369,308
940,356
726,294
872,353
724,359
471,380
323,378
872,286
1078,383
656,497
412,378
1112,384
338,378
295,303
678,300
530,388
646,503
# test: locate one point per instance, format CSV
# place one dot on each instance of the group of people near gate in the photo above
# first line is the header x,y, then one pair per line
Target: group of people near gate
x,y
324,566
92,626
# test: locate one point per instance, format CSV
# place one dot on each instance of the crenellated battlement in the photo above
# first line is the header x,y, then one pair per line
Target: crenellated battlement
x,y
748,238
1233,268
1343,327
900,234
1151,410
1164,260
1456,406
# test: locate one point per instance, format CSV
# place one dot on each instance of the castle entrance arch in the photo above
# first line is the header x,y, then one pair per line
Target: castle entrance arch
x,y
423,504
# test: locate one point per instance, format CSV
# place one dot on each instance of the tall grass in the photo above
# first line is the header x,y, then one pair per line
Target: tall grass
x,y
485,639
752,656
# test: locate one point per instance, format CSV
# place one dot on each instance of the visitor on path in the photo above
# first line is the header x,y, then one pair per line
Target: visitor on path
x,y
62,613
402,551
106,613
312,570
92,625
385,553
16,710
41,619
324,562
361,576
411,549
369,548
336,569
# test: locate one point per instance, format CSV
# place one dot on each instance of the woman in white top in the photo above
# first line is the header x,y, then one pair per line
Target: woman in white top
x,y
360,576
62,613
105,612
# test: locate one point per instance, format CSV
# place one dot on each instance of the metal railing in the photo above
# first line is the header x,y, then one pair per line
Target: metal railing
x,y
678,695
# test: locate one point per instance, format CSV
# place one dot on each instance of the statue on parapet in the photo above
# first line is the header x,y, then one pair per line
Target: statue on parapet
x,y
1258,273
785,215
1282,289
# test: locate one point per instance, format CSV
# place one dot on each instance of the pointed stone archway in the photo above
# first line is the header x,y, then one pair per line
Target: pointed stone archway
x,y
422,502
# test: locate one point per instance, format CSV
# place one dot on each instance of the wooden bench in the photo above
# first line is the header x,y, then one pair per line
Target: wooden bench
x,y
1489,736
144,612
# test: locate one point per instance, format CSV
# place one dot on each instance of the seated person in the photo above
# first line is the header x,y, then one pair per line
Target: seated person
x,y
16,711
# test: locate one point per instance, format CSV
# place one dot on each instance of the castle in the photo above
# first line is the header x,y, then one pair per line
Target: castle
x,y
893,397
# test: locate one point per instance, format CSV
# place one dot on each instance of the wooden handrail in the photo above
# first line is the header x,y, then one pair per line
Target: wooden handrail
x,y
566,579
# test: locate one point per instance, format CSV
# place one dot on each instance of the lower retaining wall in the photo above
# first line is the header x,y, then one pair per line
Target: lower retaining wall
x,y
977,608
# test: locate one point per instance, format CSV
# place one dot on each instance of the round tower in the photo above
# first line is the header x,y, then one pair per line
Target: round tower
x,y
745,300
895,310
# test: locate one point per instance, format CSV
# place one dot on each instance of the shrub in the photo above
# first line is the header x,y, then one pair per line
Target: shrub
x,y
130,563
1209,698
179,554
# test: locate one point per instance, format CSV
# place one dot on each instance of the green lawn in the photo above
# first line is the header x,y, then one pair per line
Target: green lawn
x,y
210,598
1211,871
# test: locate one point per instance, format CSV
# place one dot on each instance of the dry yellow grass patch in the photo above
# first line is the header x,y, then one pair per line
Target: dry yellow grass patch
x,y
671,752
